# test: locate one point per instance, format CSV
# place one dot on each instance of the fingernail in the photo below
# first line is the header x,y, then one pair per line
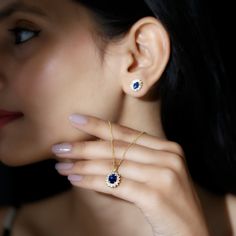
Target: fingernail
x,y
62,148
64,166
78,119
74,177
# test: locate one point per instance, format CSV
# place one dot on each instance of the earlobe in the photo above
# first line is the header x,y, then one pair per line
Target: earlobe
x,y
149,44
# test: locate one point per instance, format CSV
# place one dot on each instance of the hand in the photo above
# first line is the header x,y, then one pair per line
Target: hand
x,y
154,176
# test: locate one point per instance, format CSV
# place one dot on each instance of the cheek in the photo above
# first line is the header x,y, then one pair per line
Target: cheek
x,y
48,88
61,79
55,71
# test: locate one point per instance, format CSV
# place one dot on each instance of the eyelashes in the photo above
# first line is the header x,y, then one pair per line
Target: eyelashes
x,y
22,35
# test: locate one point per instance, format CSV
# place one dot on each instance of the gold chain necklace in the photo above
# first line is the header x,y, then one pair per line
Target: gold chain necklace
x,y
113,179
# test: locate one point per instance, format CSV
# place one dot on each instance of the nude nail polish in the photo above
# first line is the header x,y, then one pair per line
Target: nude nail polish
x,y
75,177
61,148
78,119
64,166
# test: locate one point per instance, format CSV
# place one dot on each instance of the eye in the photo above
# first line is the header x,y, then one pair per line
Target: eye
x,y
23,35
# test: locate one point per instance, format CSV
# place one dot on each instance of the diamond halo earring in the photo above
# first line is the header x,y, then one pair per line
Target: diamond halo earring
x,y
136,85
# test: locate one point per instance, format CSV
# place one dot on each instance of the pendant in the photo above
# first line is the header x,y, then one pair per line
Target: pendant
x,y
113,179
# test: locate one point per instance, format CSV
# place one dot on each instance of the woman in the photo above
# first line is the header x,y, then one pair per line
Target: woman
x,y
152,69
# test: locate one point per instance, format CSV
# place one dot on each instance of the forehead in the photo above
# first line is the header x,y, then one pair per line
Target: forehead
x,y
5,3
57,10
46,5
10,7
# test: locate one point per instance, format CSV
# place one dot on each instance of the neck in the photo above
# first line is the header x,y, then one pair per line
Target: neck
x,y
142,115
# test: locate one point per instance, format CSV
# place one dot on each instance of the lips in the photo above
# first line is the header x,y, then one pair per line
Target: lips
x,y
8,116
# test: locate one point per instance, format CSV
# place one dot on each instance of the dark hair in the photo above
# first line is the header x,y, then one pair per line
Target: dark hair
x,y
196,107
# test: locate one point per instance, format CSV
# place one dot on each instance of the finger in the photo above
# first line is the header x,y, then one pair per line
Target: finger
x,y
100,128
102,150
127,190
152,175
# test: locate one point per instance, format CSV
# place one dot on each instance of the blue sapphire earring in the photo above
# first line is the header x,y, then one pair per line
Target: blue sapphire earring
x,y
136,85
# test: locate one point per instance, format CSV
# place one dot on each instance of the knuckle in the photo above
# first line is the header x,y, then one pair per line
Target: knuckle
x,y
178,148
177,163
169,178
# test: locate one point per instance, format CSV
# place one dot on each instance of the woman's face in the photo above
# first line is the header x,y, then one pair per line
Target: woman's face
x,y
48,76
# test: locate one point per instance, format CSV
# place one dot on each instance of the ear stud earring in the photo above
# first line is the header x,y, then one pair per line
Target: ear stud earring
x,y
136,85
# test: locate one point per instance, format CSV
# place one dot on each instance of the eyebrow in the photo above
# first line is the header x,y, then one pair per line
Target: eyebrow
x,y
19,7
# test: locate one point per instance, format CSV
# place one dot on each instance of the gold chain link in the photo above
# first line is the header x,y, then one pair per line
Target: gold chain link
x,y
115,165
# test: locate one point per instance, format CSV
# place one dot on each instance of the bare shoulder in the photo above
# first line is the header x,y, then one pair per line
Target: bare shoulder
x,y
231,207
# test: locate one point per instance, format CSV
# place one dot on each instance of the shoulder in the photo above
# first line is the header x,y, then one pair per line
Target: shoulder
x,y
231,207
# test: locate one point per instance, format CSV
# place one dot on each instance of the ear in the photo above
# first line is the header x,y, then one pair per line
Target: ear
x,y
147,52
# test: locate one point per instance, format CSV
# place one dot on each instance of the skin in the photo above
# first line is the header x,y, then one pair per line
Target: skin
x,y
60,73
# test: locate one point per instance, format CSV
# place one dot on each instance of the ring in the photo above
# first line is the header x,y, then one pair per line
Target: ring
x,y
113,179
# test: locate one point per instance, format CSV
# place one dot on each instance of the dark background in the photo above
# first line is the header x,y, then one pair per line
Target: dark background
x,y
223,15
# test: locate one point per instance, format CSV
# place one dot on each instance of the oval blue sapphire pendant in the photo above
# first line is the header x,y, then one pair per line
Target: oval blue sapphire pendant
x,y
113,179
136,85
